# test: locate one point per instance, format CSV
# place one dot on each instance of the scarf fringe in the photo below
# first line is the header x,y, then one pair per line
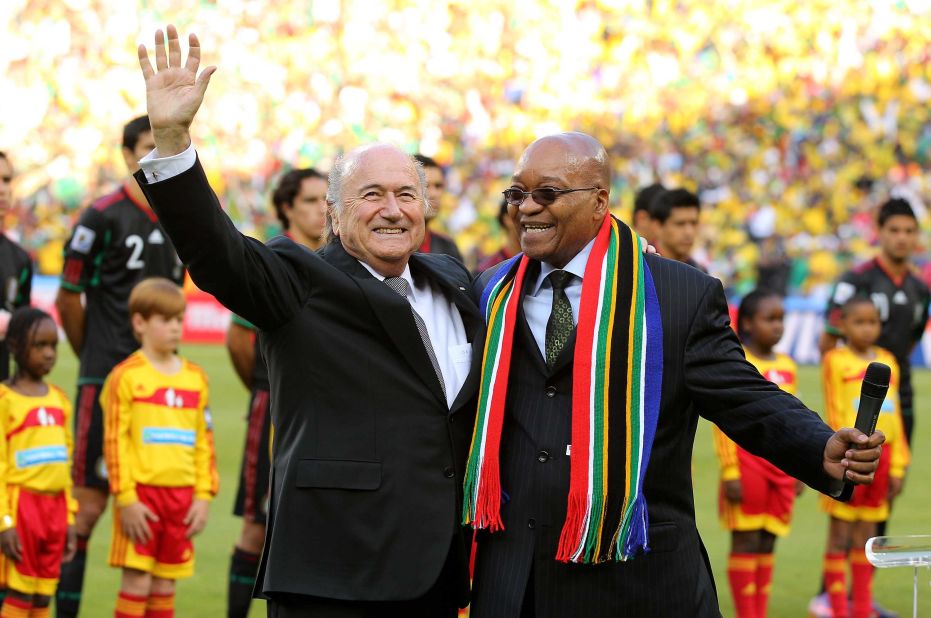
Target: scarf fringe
x,y
570,537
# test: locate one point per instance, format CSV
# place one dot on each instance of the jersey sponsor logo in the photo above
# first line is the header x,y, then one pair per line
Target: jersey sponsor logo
x,y
844,292
156,238
167,435
41,455
172,398
40,417
83,239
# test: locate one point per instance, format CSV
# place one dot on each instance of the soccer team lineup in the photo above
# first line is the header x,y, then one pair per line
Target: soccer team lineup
x,y
562,367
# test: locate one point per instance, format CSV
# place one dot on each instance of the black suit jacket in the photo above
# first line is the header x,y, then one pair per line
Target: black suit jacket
x,y
368,458
705,373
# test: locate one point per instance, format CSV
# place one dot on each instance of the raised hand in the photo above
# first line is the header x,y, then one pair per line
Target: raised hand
x,y
174,92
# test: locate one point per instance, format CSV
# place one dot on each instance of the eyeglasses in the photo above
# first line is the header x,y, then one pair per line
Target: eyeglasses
x,y
543,196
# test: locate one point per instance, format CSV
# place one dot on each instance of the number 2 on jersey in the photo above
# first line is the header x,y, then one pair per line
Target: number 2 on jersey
x,y
136,243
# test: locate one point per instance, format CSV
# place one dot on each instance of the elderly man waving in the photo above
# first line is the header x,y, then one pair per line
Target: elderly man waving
x,y
370,350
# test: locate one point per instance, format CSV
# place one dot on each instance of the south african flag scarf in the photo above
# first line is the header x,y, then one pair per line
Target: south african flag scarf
x,y
616,385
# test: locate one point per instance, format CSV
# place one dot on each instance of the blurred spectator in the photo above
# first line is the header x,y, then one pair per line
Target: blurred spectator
x,y
675,214
511,245
433,241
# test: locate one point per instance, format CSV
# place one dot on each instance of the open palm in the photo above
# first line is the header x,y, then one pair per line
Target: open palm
x,y
174,91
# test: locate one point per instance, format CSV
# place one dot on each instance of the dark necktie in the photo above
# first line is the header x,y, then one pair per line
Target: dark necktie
x,y
559,326
403,288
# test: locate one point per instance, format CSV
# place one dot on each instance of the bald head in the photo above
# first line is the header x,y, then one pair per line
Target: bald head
x,y
570,174
584,158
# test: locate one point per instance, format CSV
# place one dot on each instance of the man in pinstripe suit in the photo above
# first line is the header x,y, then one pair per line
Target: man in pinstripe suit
x,y
704,373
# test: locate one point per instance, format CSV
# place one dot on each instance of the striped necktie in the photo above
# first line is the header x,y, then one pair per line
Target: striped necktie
x,y
403,288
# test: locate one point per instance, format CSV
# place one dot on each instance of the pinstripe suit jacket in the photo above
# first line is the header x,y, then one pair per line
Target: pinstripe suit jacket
x,y
705,373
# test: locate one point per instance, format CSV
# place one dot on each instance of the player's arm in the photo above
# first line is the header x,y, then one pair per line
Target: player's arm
x,y
83,254
206,483
207,480
243,274
9,539
69,443
833,414
71,539
240,343
116,403
726,451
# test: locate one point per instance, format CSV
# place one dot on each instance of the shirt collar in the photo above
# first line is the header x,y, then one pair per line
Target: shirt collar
x,y
405,275
576,266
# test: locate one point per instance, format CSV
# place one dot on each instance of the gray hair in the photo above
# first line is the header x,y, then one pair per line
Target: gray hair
x,y
343,168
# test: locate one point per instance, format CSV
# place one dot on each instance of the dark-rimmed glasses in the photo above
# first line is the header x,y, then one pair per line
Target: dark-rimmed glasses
x,y
543,196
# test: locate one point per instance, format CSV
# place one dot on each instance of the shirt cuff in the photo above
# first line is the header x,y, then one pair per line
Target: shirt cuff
x,y
158,168
730,473
127,497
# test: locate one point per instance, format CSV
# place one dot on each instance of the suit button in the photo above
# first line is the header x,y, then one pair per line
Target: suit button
x,y
452,418
448,472
543,457
531,523
550,391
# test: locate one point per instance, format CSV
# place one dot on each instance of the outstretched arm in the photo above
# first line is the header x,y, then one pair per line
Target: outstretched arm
x,y
250,279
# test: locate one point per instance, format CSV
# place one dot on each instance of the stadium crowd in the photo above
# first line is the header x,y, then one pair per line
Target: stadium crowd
x,y
786,126
792,120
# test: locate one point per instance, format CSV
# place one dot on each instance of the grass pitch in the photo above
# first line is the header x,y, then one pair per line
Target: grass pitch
x,y
798,557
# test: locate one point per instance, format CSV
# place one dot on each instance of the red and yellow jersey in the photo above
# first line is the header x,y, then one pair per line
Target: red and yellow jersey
x,y
157,429
843,372
35,452
781,371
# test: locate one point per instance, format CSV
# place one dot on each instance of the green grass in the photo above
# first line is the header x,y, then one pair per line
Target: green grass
x,y
798,561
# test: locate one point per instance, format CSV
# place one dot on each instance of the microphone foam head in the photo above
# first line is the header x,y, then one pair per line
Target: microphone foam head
x,y
878,373
876,380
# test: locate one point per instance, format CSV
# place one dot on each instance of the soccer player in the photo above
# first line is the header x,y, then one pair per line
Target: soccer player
x,y
853,523
116,243
434,242
300,203
902,298
15,266
889,280
756,497
675,215
36,508
159,453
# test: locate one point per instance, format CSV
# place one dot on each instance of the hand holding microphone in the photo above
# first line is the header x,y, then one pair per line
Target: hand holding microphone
x,y
852,455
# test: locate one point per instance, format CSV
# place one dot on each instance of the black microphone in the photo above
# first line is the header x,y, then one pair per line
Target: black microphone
x,y
872,394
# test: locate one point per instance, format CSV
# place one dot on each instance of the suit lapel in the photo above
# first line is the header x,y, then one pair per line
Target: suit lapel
x,y
472,320
393,312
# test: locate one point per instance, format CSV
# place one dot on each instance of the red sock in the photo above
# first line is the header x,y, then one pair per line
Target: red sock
x,y
741,573
835,582
15,608
160,606
129,606
862,575
764,581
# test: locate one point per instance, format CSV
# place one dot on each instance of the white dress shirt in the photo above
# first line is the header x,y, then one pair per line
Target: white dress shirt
x,y
538,302
444,324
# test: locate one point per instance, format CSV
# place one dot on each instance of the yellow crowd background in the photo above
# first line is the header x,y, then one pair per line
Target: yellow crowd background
x,y
793,119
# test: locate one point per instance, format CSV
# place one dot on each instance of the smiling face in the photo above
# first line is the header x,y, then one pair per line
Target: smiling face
x,y
381,218
556,233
